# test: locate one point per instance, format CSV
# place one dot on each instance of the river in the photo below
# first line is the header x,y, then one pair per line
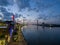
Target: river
x,y
38,35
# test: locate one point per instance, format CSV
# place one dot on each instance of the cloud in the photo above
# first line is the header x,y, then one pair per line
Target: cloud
x,y
4,2
29,14
22,3
13,8
6,14
31,9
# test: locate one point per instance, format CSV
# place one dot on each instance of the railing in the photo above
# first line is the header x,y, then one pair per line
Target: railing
x,y
3,26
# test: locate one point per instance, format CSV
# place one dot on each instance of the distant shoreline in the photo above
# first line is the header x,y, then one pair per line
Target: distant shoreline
x,y
48,25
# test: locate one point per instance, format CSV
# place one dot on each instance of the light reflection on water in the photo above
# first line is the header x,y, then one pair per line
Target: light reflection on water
x,y
41,35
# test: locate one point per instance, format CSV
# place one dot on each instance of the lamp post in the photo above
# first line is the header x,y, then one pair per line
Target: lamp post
x,y
1,16
23,19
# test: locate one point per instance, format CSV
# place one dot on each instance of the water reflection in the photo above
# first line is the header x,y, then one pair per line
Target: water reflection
x,y
38,35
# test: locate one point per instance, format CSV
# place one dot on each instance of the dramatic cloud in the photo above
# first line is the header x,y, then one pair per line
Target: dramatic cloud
x,y
23,3
32,9
3,2
6,14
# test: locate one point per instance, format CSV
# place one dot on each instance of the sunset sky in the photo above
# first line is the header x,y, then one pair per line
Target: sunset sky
x,y
43,10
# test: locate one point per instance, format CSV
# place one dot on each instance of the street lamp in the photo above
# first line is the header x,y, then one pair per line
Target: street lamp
x,y
1,16
23,19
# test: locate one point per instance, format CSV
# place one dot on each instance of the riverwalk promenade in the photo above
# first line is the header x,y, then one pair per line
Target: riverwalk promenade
x,y
20,40
6,39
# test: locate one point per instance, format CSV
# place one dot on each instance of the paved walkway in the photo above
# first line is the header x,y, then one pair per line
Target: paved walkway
x,y
20,40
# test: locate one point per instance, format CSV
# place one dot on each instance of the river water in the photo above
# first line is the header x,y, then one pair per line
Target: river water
x,y
38,35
